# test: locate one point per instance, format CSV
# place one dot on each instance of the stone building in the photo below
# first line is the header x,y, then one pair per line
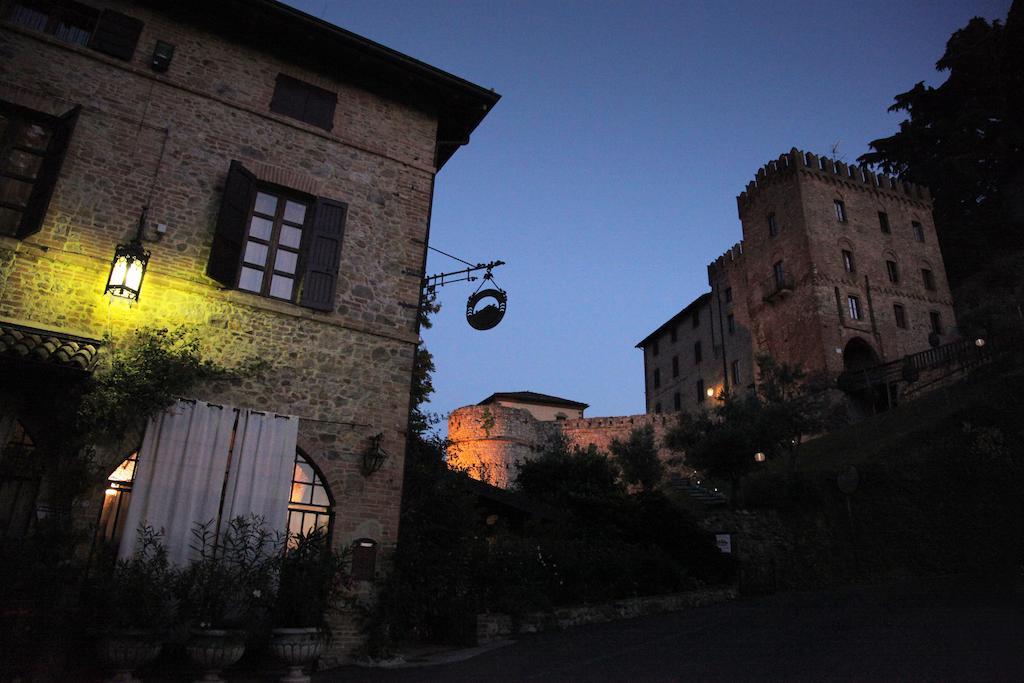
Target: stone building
x,y
280,173
838,269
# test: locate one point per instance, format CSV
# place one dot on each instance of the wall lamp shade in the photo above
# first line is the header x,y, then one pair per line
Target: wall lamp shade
x,y
127,270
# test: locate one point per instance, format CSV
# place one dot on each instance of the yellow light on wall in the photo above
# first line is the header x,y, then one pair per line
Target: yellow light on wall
x,y
128,267
710,392
759,456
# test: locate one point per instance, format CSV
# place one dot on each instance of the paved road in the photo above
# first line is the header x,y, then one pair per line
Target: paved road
x,y
924,631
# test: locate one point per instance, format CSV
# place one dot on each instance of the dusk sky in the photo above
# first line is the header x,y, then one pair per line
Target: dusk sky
x,y
606,176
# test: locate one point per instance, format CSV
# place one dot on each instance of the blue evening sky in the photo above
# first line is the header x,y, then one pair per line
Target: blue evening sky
x,y
607,174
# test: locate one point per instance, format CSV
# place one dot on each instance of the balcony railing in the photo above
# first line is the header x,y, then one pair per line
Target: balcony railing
x,y
777,286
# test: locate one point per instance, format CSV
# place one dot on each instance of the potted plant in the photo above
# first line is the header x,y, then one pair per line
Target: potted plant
x,y
134,603
222,591
312,581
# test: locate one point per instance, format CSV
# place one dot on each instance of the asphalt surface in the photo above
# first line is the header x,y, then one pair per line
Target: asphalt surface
x,y
939,630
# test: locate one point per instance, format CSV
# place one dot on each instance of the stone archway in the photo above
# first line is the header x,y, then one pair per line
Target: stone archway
x,y
859,354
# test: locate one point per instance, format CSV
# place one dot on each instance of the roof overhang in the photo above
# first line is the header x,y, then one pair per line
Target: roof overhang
x,y
54,349
676,319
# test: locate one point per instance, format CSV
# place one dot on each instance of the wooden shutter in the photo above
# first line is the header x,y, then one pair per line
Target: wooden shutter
x,y
320,108
323,258
116,35
289,97
229,235
49,172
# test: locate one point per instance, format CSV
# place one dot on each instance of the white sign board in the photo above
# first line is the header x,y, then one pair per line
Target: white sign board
x,y
724,543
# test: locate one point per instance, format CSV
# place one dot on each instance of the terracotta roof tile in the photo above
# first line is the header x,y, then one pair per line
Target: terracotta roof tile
x,y
48,347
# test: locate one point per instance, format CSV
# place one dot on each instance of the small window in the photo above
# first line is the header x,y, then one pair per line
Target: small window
x,y
840,210
893,271
900,314
116,498
696,318
735,373
677,401
68,21
853,305
883,222
728,295
697,355
918,230
773,227
928,278
657,378
672,335
675,366
700,391
303,101
848,261
561,416
654,347
779,274
309,505
273,247
730,322
657,408
936,321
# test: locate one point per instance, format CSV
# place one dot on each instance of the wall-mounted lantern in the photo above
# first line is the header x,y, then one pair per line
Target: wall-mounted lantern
x,y
374,456
710,392
128,267
759,456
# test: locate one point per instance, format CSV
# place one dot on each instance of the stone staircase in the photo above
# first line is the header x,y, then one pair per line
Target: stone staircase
x,y
695,489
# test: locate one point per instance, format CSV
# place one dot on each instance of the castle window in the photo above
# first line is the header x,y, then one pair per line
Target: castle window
x,y
918,230
677,401
893,271
848,261
275,243
657,408
840,210
700,391
696,318
900,314
657,378
697,355
936,321
309,505
883,222
735,373
109,32
728,295
32,146
773,226
928,278
779,274
853,306
304,102
116,499
730,323
675,366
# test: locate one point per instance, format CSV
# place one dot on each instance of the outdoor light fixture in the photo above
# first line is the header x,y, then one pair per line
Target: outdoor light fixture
x,y
374,456
979,342
710,392
759,456
128,267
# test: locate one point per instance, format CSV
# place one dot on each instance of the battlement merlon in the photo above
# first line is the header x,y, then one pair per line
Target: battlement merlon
x,y
723,262
808,162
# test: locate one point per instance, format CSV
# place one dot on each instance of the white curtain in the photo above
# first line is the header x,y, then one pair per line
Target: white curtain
x,y
259,481
200,463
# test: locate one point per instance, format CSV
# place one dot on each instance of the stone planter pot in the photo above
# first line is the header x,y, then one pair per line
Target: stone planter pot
x,y
296,647
213,649
125,651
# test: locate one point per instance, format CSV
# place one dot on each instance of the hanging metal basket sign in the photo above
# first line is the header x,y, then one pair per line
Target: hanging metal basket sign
x,y
487,316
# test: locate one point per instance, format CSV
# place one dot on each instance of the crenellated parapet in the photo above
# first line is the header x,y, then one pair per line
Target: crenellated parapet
x,y
725,262
787,165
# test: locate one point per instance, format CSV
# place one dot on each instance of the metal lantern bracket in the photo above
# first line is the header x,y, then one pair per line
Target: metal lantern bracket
x,y
485,317
374,456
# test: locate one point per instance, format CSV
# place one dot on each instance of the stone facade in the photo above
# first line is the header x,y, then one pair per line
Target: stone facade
x,y
165,140
490,441
838,268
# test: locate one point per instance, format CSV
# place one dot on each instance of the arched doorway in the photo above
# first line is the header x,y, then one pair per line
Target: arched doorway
x,y
876,393
858,355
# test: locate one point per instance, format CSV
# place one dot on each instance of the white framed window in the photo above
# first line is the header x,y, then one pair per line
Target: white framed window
x,y
853,306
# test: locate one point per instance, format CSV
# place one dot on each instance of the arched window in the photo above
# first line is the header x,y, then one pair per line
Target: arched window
x,y
116,498
309,506
20,474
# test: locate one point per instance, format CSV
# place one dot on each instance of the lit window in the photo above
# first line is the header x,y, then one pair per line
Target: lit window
x,y
901,316
68,21
20,476
883,222
918,230
270,260
773,227
893,271
309,506
848,261
116,499
840,210
853,305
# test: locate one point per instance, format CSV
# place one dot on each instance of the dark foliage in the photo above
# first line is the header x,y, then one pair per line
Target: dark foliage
x,y
312,582
637,456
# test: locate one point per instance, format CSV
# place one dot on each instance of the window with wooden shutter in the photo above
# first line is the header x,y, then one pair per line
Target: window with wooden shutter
x,y
323,257
32,149
304,102
226,251
116,35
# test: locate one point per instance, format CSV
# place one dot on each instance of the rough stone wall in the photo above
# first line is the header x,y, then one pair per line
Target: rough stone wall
x,y
677,365
490,441
166,140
